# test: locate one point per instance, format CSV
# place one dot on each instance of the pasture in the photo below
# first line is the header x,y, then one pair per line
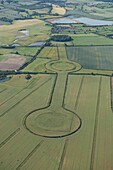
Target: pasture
x,y
38,31
58,119
89,39
92,9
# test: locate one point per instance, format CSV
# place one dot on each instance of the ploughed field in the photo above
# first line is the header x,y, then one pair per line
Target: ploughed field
x,y
60,119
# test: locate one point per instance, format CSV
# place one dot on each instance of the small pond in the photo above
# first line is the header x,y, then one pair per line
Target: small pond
x,y
62,21
39,43
84,20
4,79
93,22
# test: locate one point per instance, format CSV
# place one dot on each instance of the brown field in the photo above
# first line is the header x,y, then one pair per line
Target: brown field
x,y
12,63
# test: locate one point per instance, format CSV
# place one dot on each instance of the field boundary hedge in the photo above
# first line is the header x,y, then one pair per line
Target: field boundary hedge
x,y
91,74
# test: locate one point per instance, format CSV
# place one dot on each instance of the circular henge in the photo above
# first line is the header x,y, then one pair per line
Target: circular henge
x,y
53,122
63,66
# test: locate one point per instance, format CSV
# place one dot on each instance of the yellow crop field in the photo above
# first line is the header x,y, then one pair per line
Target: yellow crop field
x,y
56,9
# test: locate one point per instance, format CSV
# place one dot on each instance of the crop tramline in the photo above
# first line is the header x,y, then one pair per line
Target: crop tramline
x,y
61,118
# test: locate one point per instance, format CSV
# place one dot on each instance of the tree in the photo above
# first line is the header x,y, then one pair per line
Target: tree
x,y
61,38
28,76
2,2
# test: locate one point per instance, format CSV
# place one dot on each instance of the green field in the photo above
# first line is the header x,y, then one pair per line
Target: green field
x,y
90,39
26,52
56,97
56,121
37,31
85,145
89,57
97,57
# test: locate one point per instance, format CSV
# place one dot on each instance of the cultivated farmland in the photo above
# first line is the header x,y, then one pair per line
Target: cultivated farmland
x,y
56,85
61,118
58,10
15,34
97,57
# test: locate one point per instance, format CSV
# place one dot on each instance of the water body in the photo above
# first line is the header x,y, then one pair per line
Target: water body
x,y
84,20
39,43
93,22
15,45
4,79
63,21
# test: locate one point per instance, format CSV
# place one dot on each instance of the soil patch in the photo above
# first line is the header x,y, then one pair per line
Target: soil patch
x,y
12,63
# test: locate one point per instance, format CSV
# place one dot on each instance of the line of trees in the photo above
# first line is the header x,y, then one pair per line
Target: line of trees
x,y
61,38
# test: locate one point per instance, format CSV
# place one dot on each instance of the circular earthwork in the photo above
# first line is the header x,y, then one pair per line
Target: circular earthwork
x,y
52,124
63,66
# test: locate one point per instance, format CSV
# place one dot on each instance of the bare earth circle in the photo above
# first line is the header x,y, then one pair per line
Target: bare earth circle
x,y
47,123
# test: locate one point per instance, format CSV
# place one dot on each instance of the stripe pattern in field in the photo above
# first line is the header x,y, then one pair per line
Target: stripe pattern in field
x,y
96,57
90,148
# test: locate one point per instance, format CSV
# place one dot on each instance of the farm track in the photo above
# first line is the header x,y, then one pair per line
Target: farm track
x,y
79,92
31,83
111,92
48,105
9,137
3,90
11,97
66,53
51,95
58,53
95,127
64,95
76,103
51,51
25,97
63,154
29,155
15,95
63,105
48,52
